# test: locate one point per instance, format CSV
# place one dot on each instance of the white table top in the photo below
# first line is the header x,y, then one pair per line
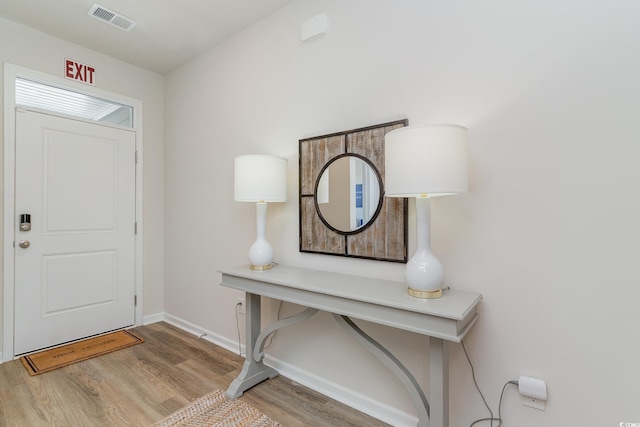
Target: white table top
x,y
359,296
454,304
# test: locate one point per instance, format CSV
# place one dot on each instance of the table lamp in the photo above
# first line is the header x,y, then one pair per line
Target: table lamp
x,y
260,179
422,162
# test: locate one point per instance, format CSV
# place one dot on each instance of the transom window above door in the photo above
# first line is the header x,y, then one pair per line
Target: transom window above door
x,y
63,101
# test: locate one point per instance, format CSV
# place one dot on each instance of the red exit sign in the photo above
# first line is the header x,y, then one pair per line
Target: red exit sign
x,y
79,72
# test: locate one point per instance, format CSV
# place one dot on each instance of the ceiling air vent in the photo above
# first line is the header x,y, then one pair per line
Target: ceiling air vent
x,y
111,17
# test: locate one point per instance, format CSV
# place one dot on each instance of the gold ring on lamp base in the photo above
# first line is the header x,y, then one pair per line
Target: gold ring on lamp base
x,y
437,293
260,267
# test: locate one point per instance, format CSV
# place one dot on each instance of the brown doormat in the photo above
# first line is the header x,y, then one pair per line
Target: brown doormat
x,y
217,410
48,360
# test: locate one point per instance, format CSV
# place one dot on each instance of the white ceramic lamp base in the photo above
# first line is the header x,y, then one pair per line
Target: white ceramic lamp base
x,y
261,252
424,273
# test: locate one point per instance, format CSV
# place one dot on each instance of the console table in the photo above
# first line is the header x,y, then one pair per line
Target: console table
x,y
345,296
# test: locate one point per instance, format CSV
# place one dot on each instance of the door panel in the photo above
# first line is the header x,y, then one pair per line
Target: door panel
x,y
93,281
79,196
77,181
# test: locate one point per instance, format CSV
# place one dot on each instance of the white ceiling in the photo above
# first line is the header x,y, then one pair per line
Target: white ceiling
x,y
169,32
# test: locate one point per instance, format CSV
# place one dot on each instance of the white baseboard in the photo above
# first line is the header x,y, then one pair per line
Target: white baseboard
x,y
200,332
152,318
362,403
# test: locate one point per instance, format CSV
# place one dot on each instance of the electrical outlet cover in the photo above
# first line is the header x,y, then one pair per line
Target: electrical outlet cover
x,y
533,402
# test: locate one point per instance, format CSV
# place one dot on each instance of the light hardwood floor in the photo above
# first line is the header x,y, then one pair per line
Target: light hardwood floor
x,y
145,383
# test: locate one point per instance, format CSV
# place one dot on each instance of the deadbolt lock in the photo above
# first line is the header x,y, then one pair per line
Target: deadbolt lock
x,y
25,222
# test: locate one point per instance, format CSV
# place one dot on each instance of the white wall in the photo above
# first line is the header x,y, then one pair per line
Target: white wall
x,y
549,232
34,50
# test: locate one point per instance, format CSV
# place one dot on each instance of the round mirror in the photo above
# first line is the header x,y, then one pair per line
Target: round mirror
x,y
348,193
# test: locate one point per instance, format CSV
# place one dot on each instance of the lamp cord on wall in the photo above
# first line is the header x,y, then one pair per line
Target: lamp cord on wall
x,y
473,374
238,305
499,419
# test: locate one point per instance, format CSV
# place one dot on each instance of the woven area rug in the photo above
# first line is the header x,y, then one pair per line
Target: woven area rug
x,y
48,360
217,410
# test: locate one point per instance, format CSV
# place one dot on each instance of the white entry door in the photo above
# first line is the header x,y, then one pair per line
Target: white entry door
x,y
74,270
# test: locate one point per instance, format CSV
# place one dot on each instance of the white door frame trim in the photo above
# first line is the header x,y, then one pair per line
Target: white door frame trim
x,y
11,72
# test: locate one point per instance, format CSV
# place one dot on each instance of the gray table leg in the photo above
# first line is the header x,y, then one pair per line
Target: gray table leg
x,y
258,351
439,382
391,362
253,372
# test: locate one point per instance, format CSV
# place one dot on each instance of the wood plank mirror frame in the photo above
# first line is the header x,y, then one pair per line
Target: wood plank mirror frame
x,y
380,236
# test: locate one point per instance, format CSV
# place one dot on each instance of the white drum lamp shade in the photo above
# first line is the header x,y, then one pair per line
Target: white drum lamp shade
x,y
260,179
423,162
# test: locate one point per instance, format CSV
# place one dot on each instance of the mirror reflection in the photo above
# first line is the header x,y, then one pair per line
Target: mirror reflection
x,y
348,193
